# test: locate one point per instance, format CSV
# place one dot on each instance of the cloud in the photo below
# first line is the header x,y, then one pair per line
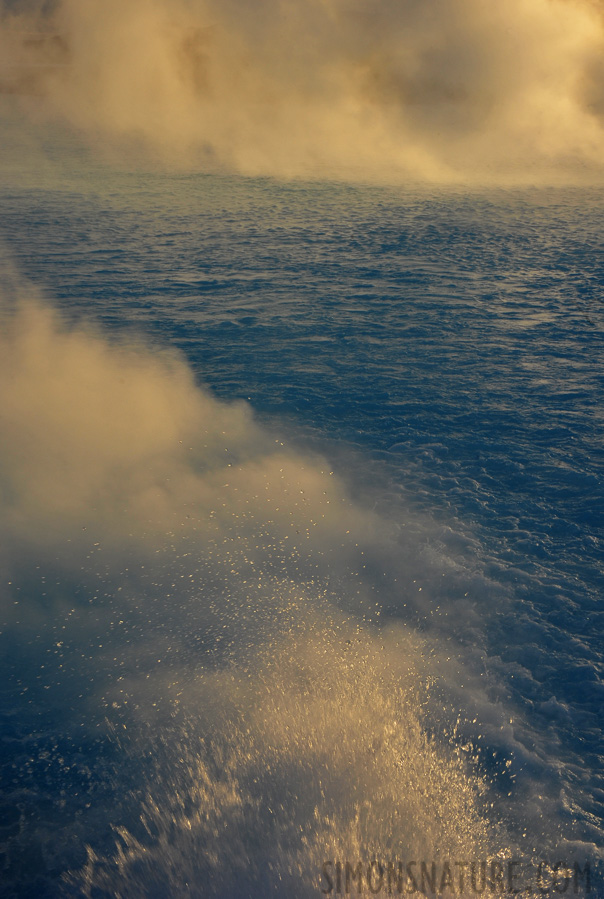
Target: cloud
x,y
447,91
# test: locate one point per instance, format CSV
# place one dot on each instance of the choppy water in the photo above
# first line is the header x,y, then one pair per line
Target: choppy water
x,y
359,617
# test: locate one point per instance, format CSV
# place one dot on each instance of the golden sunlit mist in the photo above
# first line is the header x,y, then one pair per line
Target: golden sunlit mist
x,y
445,91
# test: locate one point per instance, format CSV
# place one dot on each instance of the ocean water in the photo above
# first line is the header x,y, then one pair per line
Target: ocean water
x,y
302,494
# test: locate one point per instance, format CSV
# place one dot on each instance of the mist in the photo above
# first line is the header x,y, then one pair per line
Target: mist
x,y
448,92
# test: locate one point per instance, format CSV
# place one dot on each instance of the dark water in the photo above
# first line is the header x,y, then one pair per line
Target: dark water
x,y
443,354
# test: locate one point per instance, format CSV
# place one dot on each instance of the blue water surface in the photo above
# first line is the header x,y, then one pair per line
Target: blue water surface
x,y
443,347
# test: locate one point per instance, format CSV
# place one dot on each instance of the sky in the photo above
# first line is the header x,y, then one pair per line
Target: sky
x,y
460,91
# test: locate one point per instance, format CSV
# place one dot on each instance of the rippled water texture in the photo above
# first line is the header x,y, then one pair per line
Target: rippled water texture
x,y
324,586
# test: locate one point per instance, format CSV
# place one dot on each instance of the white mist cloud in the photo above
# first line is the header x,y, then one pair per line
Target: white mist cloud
x,y
92,428
114,440
459,91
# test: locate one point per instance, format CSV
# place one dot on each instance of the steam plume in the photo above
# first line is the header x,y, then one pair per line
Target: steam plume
x,y
447,91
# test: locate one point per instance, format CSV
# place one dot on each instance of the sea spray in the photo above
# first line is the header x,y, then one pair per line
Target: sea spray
x,y
187,602
313,749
